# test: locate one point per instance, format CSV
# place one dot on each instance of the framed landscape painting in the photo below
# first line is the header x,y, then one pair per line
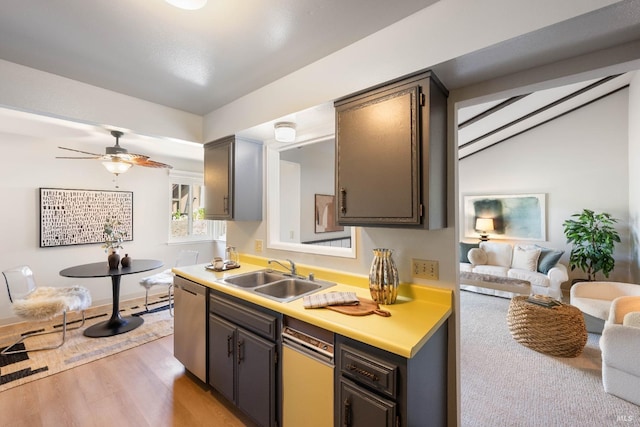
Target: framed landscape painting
x,y
515,217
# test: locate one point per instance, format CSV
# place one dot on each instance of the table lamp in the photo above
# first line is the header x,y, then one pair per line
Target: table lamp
x,y
483,226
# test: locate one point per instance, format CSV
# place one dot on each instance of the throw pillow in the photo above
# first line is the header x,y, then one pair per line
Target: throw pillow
x,y
464,250
525,259
548,259
477,256
632,319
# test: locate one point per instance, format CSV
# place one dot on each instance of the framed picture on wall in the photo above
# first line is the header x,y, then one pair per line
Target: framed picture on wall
x,y
77,217
325,215
509,216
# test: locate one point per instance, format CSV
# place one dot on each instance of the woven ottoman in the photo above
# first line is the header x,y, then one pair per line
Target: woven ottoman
x,y
557,331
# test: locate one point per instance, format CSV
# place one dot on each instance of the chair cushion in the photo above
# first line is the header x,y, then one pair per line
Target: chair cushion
x,y
47,302
164,278
533,277
493,270
595,307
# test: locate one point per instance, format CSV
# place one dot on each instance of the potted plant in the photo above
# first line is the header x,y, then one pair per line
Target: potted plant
x,y
113,237
593,238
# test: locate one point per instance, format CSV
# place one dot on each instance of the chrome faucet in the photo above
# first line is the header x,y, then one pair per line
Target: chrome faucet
x,y
292,269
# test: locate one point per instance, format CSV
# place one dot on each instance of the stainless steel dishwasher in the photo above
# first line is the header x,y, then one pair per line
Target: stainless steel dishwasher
x,y
190,326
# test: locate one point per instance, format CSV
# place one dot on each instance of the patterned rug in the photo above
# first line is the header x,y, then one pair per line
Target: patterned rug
x,y
17,369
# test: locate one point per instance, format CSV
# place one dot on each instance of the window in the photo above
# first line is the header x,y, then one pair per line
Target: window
x,y
187,210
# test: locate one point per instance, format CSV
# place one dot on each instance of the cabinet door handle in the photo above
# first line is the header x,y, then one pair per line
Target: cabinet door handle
x,y
229,345
347,413
240,352
225,203
369,375
343,200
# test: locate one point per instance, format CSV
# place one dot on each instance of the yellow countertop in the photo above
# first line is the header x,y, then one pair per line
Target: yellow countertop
x,y
418,312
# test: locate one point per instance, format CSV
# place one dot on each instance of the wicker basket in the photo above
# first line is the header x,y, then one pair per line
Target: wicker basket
x,y
556,331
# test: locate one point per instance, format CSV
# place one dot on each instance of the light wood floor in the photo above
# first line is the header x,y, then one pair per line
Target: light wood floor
x,y
144,386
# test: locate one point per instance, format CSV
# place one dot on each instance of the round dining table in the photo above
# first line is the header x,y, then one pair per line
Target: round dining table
x,y
116,324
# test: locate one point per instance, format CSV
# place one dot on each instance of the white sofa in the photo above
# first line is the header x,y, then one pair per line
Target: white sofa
x,y
620,345
534,264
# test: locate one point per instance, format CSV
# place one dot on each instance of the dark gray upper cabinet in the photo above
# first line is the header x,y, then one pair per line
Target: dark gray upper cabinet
x,y
233,179
391,154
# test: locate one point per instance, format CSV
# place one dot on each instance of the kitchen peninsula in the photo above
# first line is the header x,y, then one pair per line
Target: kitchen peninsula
x,y
388,370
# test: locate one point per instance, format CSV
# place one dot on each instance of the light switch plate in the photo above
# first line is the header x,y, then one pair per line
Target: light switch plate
x,y
258,245
424,269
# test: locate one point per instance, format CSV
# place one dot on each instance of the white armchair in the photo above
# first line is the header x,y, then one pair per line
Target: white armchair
x,y
594,300
620,345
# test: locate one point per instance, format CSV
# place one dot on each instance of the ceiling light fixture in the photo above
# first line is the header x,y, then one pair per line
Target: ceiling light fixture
x,y
188,4
285,131
116,166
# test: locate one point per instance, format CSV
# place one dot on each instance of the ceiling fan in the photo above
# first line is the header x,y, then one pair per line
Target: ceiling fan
x,y
116,159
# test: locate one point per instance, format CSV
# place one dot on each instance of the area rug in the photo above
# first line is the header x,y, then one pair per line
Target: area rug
x,y
17,369
504,383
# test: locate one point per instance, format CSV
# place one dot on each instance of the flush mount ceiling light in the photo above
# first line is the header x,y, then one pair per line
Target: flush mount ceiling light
x,y
188,4
285,131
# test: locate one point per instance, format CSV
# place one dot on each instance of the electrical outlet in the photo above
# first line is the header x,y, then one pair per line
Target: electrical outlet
x,y
258,245
424,269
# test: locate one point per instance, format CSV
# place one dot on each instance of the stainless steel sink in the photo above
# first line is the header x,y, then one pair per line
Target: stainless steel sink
x,y
254,278
286,290
275,285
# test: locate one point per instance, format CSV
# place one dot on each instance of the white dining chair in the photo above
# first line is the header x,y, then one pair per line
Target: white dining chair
x,y
36,303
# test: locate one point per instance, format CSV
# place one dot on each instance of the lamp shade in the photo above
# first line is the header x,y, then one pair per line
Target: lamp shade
x,y
116,167
484,224
285,131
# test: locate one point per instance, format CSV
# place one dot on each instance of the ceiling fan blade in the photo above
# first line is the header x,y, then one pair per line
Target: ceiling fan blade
x,y
80,151
81,158
150,164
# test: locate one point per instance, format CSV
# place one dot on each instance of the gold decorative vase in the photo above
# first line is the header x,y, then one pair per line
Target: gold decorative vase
x,y
383,277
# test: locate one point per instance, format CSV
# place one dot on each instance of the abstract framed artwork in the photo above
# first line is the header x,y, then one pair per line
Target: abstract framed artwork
x,y
325,217
77,217
515,216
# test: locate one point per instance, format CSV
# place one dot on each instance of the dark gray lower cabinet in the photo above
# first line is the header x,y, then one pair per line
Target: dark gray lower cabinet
x,y
377,388
242,364
362,408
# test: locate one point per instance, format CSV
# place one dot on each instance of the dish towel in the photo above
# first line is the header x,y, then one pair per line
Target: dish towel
x,y
330,298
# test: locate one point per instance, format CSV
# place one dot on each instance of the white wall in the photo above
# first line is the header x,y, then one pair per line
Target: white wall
x,y
579,160
634,177
29,163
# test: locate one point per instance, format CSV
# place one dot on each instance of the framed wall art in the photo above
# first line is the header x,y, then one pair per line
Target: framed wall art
x,y
77,217
325,216
515,216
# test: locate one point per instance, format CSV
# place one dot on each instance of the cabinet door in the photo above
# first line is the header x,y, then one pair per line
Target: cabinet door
x,y
222,352
378,158
361,408
256,377
218,160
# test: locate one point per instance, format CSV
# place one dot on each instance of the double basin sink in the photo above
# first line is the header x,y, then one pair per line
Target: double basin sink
x,y
275,285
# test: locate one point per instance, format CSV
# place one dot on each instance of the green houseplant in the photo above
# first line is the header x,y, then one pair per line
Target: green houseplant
x,y
593,238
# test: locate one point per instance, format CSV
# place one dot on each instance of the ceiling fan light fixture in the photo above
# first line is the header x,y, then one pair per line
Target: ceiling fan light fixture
x,y
188,4
285,131
116,166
